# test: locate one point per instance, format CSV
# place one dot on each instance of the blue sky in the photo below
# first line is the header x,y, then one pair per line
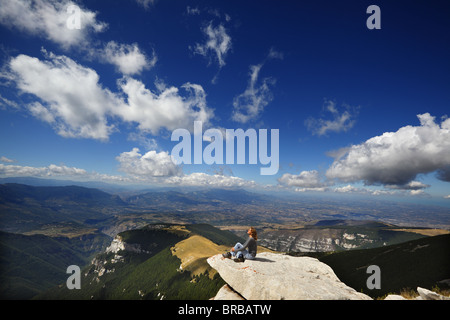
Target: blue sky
x,y
358,111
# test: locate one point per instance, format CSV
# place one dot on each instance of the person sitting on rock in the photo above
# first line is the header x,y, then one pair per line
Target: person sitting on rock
x,y
244,251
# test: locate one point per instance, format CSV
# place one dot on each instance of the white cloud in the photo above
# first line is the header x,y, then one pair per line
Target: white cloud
x,y
396,158
49,19
41,112
151,164
5,159
143,139
366,191
127,58
355,190
55,171
305,179
207,180
49,171
169,109
152,167
348,189
75,104
412,185
341,121
146,3
249,105
159,168
6,103
321,189
419,193
217,44
447,197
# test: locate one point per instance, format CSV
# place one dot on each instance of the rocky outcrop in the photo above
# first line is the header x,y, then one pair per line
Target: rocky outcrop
x,y
281,277
118,244
424,294
314,240
226,293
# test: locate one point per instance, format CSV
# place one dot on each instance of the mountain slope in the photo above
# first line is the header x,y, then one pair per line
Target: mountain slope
x,y
423,262
32,264
334,235
145,264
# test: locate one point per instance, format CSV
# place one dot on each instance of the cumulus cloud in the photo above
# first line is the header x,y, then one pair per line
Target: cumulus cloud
x,y
151,164
75,104
396,158
305,179
216,45
49,19
340,120
159,168
128,59
167,108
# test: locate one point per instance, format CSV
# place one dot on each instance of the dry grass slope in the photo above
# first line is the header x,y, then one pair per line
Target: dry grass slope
x,y
193,253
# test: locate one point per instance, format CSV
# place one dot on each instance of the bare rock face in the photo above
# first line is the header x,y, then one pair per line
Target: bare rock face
x,y
226,293
281,277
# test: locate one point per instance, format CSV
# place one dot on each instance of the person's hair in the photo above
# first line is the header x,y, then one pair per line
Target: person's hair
x,y
253,233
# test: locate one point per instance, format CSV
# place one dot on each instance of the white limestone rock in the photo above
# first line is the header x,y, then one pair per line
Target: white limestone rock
x,y
430,295
395,297
281,277
226,293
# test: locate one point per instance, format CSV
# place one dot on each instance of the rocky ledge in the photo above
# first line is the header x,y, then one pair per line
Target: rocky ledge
x,y
280,277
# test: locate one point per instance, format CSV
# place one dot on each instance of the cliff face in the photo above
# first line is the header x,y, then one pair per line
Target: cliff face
x,y
118,244
280,277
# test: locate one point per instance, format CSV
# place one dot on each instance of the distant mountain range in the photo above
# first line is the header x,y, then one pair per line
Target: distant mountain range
x,y
26,208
